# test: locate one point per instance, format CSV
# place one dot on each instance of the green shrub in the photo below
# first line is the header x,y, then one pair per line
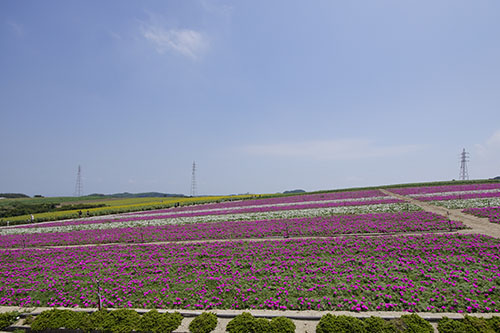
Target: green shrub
x,y
124,320
101,320
479,325
494,323
204,323
117,321
243,323
28,320
447,325
51,319
413,323
379,325
340,324
170,322
262,325
7,319
282,325
149,321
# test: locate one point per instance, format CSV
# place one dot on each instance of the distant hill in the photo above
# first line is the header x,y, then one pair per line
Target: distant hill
x,y
137,195
13,195
497,177
294,192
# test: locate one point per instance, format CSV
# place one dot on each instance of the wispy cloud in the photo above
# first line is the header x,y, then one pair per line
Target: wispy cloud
x,y
491,147
187,42
16,28
344,149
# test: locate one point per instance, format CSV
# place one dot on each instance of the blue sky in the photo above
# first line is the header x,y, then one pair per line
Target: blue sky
x,y
265,96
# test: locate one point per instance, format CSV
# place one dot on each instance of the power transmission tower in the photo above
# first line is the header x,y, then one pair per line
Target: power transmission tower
x,y
193,180
464,158
79,186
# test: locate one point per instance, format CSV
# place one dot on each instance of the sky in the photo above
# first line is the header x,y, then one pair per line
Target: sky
x,y
265,96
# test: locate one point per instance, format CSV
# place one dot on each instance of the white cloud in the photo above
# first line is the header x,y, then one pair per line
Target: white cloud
x,y
16,28
189,43
344,149
490,148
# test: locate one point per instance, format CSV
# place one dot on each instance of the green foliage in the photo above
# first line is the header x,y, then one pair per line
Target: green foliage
x,y
124,320
447,325
153,321
204,323
262,325
7,319
282,325
340,324
494,323
379,325
479,325
100,320
413,324
54,319
467,325
243,323
246,323
118,321
13,195
28,320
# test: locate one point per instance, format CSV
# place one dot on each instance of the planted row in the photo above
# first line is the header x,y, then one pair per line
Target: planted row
x,y
209,213
296,227
436,273
446,188
492,213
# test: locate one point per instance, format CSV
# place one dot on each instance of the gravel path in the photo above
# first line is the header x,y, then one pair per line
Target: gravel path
x,y
478,225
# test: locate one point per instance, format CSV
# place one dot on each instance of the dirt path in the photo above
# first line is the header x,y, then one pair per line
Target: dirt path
x,y
477,224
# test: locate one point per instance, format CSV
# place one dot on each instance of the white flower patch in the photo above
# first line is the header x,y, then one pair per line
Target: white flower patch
x,y
312,212
261,206
467,203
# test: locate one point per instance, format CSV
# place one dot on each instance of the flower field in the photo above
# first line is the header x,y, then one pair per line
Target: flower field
x,y
492,213
437,273
323,251
294,227
456,196
416,191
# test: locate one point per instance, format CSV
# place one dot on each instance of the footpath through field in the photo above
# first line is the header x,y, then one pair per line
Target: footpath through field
x,y
478,225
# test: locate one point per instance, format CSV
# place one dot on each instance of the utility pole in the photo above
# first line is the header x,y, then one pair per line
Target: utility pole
x,y
193,180
464,158
79,186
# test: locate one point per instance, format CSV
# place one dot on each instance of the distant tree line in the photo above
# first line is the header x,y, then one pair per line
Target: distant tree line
x,y
20,208
13,195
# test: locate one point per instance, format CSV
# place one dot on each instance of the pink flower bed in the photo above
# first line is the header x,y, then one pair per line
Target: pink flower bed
x,y
241,210
438,273
273,201
297,227
492,213
447,188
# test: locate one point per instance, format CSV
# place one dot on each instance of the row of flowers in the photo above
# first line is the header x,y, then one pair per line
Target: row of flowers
x,y
492,213
295,227
447,188
302,198
467,203
304,210
437,273
462,196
